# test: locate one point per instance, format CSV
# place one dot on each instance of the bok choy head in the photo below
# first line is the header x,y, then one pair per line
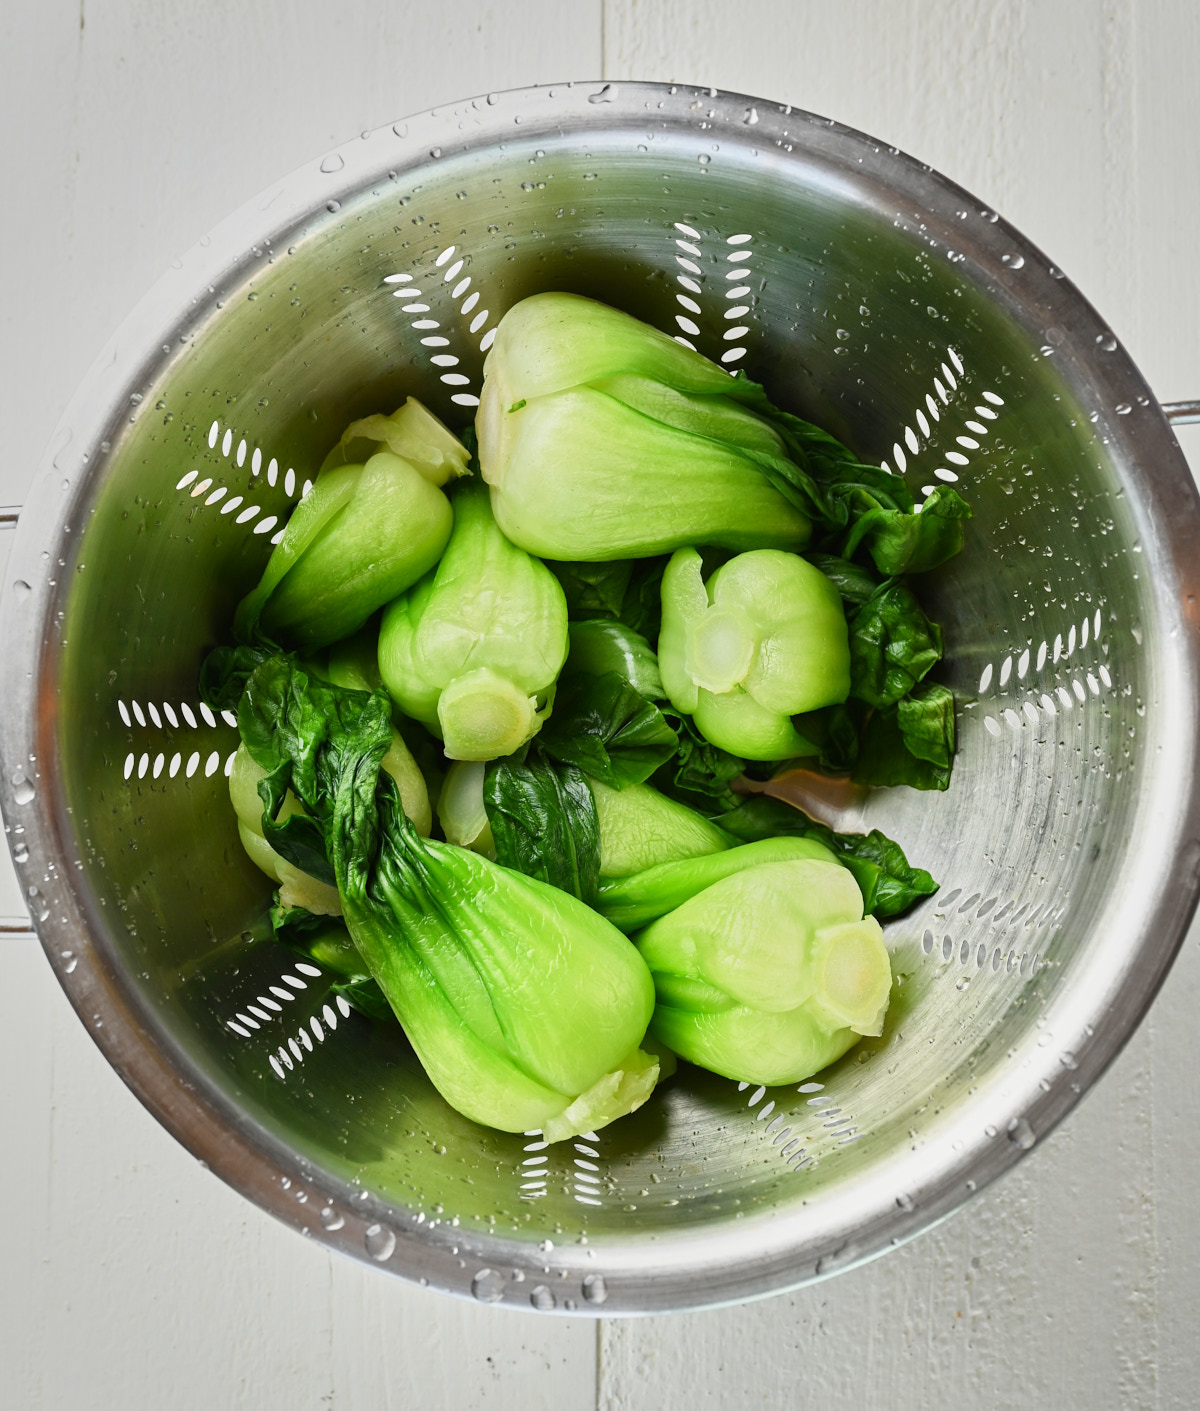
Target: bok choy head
x,y
474,649
770,974
525,1007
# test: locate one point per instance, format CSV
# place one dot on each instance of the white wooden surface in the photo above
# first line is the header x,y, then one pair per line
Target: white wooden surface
x,y
130,1277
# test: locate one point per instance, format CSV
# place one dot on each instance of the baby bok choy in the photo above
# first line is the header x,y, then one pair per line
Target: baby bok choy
x,y
525,1007
763,641
770,974
474,649
604,439
362,534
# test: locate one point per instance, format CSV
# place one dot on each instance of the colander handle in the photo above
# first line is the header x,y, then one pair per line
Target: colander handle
x,y
1178,413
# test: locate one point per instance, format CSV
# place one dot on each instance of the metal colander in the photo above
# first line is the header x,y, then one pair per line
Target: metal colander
x,y
869,294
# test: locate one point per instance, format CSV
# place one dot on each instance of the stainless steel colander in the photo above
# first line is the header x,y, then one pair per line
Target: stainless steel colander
x,y
870,294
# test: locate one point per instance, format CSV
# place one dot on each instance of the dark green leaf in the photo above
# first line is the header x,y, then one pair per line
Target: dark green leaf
x,y
888,883
627,589
593,589
544,823
893,645
602,725
641,608
911,743
926,721
698,774
913,543
306,734
835,730
601,645
854,582
224,673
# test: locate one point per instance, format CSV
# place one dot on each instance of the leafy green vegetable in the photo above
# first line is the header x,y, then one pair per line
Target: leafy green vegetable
x,y
889,885
698,774
893,645
543,822
769,974
640,828
903,542
524,1006
363,534
633,902
224,673
911,743
603,725
584,406
624,443
600,646
473,651
853,581
764,640
413,433
593,589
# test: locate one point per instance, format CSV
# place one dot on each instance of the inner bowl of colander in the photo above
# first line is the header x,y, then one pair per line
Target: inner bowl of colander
x,y
869,294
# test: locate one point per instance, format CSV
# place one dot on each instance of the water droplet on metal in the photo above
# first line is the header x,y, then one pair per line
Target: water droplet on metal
x,y
904,1202
543,1299
1068,1060
751,117
332,1219
1014,261
380,1242
1021,1134
704,159
1107,342
488,1286
546,1246
595,1290
333,206
334,162
21,590
23,790
435,152
20,853
607,94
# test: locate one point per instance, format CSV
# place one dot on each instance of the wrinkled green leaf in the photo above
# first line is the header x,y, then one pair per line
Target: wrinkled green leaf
x,y
893,645
926,720
299,729
698,774
607,729
544,823
627,590
593,589
853,581
224,673
888,883
912,543
910,743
